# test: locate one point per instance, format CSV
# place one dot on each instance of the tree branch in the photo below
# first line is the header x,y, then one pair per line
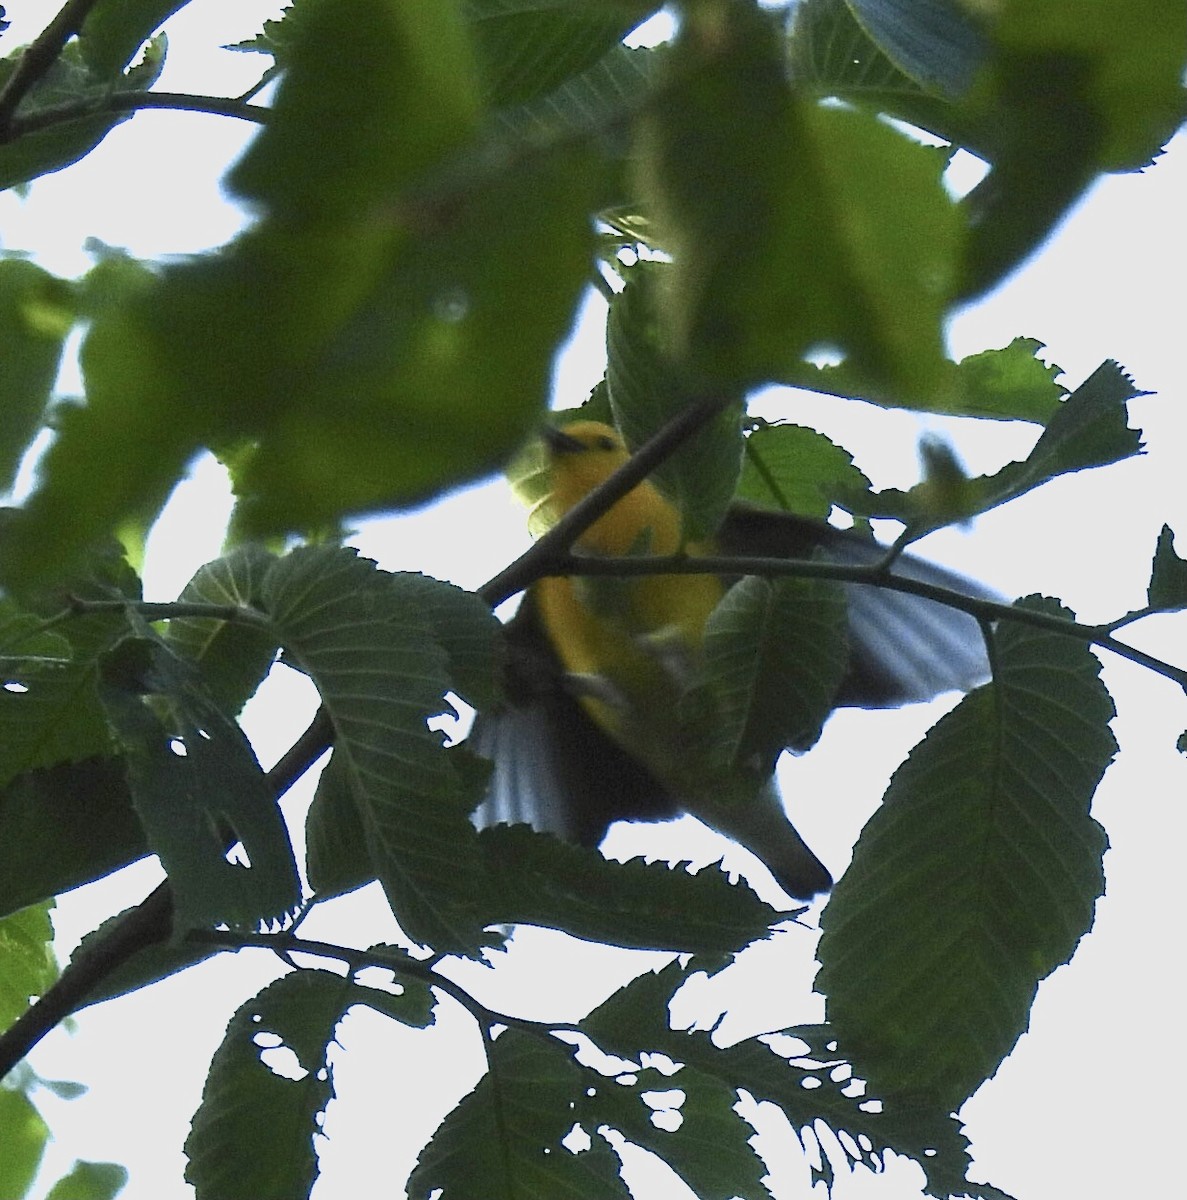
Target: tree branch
x,y
39,56
876,575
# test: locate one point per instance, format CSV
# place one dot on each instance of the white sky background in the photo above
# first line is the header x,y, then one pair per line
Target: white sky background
x,y
1089,1103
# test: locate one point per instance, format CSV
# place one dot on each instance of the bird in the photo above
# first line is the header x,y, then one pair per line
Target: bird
x,y
593,730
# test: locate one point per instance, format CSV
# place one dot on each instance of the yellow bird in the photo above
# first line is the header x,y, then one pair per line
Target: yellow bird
x,y
594,729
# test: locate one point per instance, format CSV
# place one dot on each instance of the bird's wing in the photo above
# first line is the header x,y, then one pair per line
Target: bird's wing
x,y
554,767
903,649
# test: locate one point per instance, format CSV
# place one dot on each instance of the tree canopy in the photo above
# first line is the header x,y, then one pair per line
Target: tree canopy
x,y
435,186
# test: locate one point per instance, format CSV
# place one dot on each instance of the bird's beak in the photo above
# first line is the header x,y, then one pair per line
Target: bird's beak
x,y
559,442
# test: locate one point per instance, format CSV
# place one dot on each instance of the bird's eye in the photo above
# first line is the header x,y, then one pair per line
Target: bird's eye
x,y
606,443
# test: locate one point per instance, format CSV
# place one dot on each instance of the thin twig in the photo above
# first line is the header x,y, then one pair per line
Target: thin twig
x,y
529,566
39,56
388,958
127,102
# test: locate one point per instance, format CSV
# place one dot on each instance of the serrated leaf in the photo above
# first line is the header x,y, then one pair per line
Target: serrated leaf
x,y
1010,383
796,469
231,1151
775,653
975,879
114,31
465,628
27,962
36,313
537,880
382,675
805,1085
234,656
503,1141
646,388
198,789
1089,429
1168,574
64,826
526,49
337,857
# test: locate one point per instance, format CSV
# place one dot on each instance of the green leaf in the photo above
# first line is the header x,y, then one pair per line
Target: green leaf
x,y
27,962
231,1151
611,90
381,674
796,469
775,654
646,389
23,1134
90,1181
408,285
410,1001
1089,429
537,880
198,790
49,708
416,59
36,313
831,55
337,858
526,48
503,1141
803,1082
115,30
63,826
465,628
150,964
234,656
1121,60
792,226
1006,384
976,878
1068,92
1168,575
1010,384
937,43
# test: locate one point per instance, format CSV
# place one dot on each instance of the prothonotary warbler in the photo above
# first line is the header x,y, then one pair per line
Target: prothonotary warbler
x,y
594,729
